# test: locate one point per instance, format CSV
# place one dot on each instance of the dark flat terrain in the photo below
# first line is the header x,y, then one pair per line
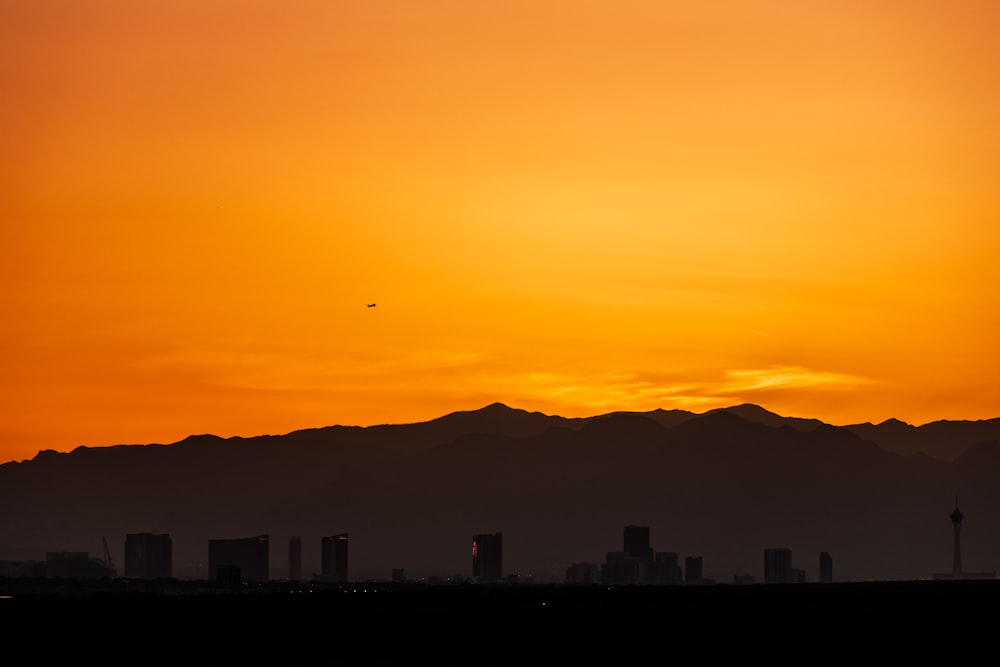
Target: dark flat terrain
x,y
510,622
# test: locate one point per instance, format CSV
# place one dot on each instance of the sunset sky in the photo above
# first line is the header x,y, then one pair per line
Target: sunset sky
x,y
568,206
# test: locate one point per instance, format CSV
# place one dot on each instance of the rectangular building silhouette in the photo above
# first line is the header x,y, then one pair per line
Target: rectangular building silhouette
x,y
636,542
778,566
149,556
825,567
333,558
693,572
487,558
667,567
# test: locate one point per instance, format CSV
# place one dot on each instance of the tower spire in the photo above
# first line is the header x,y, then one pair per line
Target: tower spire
x,y
956,522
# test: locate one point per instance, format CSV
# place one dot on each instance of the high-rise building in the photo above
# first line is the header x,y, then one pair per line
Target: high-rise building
x,y
149,556
487,558
250,555
777,566
294,558
692,569
825,567
668,569
636,542
333,558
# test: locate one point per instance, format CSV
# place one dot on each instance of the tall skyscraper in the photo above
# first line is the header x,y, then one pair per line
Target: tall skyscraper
x,y
487,557
636,542
777,566
294,558
825,567
148,556
692,569
250,555
333,558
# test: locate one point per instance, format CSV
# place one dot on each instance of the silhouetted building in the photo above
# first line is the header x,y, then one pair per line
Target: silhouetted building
x,y
636,563
487,558
667,568
620,569
398,575
333,558
75,565
825,567
149,556
743,578
777,566
636,542
294,558
692,570
249,554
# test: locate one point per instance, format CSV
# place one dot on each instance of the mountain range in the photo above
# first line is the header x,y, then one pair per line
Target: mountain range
x,y
723,485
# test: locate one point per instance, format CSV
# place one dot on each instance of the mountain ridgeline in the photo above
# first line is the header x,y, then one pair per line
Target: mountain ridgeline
x,y
723,485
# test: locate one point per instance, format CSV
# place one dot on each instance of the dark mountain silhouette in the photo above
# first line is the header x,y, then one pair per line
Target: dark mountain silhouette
x,y
944,439
723,485
755,413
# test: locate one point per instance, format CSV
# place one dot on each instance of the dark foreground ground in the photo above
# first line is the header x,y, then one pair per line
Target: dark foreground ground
x,y
800,623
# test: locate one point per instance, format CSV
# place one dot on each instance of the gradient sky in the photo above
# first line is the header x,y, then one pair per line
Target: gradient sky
x,y
568,206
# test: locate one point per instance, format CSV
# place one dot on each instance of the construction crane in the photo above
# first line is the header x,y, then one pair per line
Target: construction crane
x,y
108,560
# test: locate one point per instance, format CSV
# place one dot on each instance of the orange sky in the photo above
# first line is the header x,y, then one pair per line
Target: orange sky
x,y
568,206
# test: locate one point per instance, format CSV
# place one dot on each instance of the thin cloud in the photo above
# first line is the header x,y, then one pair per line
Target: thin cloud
x,y
589,393
784,377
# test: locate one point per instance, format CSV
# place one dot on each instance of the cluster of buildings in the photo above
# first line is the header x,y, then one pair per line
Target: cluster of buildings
x,y
248,559
149,556
232,561
637,563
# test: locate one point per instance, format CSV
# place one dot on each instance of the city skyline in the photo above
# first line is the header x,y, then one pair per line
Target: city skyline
x,y
248,559
675,321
